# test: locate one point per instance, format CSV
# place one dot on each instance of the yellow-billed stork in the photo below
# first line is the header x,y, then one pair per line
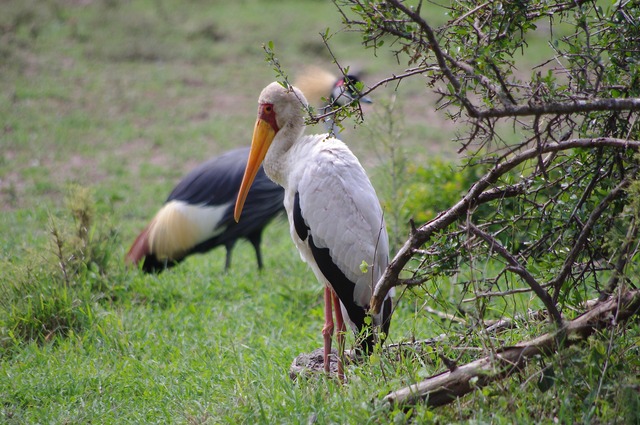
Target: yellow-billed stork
x,y
198,214
335,218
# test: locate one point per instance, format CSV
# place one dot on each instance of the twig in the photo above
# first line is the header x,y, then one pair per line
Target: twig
x,y
623,258
551,10
437,51
372,88
503,324
584,235
501,293
519,269
445,316
466,15
414,344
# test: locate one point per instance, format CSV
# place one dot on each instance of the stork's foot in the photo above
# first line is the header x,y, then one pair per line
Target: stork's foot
x,y
312,364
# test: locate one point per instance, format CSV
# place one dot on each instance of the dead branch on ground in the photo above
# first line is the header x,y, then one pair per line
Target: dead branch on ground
x,y
445,387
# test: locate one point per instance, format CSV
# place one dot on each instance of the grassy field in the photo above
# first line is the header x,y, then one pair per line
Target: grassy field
x,y
123,97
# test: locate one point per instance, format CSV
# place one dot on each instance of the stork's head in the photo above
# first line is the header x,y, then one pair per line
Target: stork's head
x,y
279,108
344,92
287,103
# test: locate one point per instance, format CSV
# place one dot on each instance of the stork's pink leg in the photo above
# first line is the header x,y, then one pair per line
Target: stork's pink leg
x,y
341,329
327,330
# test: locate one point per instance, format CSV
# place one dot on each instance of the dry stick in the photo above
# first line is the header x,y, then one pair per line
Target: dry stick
x,y
447,386
491,326
503,324
516,267
445,316
421,235
501,294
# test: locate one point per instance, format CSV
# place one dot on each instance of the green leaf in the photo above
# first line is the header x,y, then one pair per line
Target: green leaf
x,y
364,267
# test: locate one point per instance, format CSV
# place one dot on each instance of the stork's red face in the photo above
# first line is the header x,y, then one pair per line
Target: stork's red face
x,y
263,134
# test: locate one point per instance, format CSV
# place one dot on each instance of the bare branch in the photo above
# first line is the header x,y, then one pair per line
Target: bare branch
x,y
572,107
445,316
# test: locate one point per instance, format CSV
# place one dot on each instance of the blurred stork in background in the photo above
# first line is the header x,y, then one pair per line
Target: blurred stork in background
x,y
198,214
316,84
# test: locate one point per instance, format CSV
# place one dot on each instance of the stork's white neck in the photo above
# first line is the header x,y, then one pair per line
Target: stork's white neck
x,y
277,162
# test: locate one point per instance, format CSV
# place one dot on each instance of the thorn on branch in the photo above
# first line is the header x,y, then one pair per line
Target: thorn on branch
x,y
412,223
452,365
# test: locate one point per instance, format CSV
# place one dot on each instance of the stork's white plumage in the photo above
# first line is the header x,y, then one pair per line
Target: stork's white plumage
x,y
334,214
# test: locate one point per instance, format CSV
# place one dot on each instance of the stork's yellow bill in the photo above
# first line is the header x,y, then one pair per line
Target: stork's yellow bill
x,y
263,134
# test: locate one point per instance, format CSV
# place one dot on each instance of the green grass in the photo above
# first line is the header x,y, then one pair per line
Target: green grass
x,y
123,98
